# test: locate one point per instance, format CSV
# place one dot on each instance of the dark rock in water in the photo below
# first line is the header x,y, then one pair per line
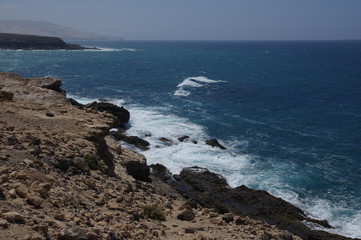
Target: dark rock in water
x,y
212,191
215,143
75,103
134,140
182,139
166,140
161,172
187,215
121,113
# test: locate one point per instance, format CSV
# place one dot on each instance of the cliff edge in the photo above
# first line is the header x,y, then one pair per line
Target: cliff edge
x,y
33,42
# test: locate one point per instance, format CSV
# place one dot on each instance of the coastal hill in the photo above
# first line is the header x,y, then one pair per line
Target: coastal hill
x,y
43,28
29,42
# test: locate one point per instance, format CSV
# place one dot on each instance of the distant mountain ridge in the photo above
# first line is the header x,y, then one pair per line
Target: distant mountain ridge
x,y
43,28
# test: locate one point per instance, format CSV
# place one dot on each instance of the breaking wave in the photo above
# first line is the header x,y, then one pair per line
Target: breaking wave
x,y
193,82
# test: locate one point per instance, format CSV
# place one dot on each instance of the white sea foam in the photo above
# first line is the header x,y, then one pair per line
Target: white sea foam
x,y
193,82
114,49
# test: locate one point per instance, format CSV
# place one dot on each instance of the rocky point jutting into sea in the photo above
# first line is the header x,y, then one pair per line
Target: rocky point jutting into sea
x,y
63,176
33,42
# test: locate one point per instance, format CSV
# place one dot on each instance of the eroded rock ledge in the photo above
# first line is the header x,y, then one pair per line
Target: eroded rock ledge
x,y
33,42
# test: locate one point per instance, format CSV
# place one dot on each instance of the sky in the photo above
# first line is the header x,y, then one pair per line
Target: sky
x,y
198,19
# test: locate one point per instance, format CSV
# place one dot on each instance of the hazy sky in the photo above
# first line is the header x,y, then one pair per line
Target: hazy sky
x,y
198,19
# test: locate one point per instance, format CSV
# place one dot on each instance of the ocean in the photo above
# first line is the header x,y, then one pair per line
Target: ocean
x,y
289,113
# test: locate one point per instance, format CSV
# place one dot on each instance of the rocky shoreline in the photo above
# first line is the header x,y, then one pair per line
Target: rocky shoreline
x,y
63,176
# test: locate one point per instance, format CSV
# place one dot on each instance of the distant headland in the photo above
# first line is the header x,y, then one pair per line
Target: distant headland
x,y
43,28
33,42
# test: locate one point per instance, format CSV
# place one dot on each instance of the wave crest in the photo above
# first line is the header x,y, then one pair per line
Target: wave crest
x,y
193,82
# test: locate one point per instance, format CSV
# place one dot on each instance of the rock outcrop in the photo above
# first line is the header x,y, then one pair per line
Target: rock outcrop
x,y
215,143
211,190
138,142
30,42
120,113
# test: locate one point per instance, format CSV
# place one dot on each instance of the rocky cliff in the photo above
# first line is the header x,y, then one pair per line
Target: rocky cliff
x,y
29,42
63,177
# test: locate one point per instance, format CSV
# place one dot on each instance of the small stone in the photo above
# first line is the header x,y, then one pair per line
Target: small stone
x,y
286,235
28,162
265,236
49,114
76,233
2,194
4,224
46,186
34,200
21,175
189,230
22,191
4,158
34,236
228,219
13,217
240,221
187,215
41,228
12,193
60,216
216,221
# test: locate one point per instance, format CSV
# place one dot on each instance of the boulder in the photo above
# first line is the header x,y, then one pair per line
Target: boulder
x,y
76,233
75,103
215,143
13,217
135,164
161,172
183,138
134,140
187,215
120,113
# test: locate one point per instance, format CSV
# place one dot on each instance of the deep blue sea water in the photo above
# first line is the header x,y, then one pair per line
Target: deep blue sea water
x,y
288,112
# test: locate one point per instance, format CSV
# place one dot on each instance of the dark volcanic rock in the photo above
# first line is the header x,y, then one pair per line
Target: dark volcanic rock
x,y
134,140
137,169
215,143
28,42
211,190
75,103
161,172
121,113
6,96
187,215
183,138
